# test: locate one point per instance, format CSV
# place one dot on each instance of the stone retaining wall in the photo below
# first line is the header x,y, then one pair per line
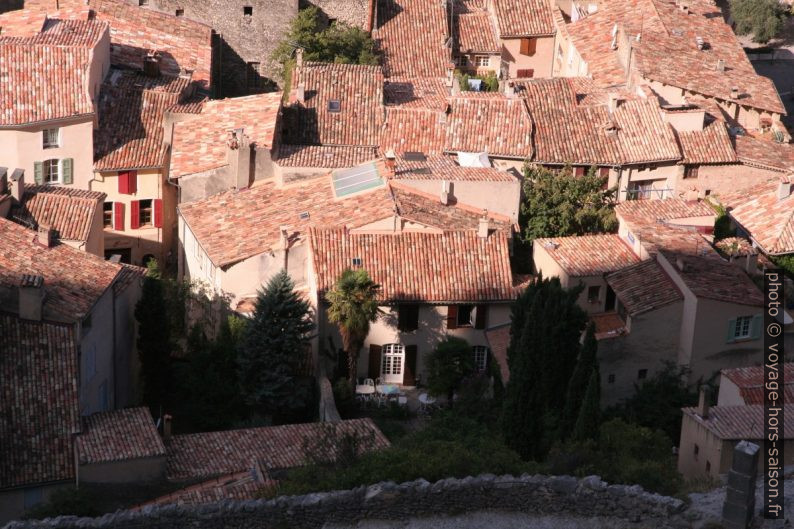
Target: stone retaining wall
x,y
588,497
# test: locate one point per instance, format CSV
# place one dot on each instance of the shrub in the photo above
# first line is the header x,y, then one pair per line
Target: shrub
x,y
344,398
66,501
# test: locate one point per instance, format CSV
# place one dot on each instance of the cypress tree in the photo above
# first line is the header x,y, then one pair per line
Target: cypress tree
x,y
577,386
589,418
154,343
271,347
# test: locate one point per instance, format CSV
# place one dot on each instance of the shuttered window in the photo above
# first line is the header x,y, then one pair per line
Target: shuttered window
x,y
118,216
158,213
135,212
66,169
529,46
407,318
128,182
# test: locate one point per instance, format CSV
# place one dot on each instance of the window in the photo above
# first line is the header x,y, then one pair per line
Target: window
x,y
640,190
334,105
50,138
642,374
742,327
248,11
392,363
528,46
579,170
252,77
180,12
630,237
603,172
466,315
145,213
107,211
482,61
50,171
611,379
593,293
480,357
690,171
143,2
407,318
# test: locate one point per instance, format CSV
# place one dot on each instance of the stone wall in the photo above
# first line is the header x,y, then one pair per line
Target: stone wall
x,y
587,497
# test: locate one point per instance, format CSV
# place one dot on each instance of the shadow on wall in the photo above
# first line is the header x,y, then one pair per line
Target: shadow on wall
x,y
11,5
232,76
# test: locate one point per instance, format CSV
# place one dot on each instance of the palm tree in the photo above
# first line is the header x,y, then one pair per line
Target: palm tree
x,y
353,306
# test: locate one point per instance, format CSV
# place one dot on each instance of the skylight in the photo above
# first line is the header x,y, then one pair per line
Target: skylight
x,y
349,181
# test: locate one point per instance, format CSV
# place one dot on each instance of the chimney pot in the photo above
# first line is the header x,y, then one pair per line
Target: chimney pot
x,y
721,66
445,191
151,65
167,427
784,189
483,227
614,102
735,92
18,184
31,297
703,402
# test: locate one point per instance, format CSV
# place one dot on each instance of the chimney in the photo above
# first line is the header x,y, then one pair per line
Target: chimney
x,y
18,184
283,237
167,427
680,264
151,65
703,402
300,93
445,192
734,92
238,156
31,297
720,65
45,236
390,161
784,189
614,102
700,43
484,226
684,7
510,89
3,180
299,57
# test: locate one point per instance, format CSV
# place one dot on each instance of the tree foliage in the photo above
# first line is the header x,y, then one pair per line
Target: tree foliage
x,y
763,19
544,344
589,418
353,305
448,366
270,350
561,204
586,363
154,342
337,43
722,225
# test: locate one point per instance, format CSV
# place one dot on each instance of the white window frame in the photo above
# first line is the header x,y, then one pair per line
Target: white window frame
x,y
45,172
743,327
480,357
392,363
45,136
482,61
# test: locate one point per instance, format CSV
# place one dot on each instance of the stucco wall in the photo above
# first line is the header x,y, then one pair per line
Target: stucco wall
x,y
542,61
96,343
497,197
12,502
724,178
127,365
729,394
128,471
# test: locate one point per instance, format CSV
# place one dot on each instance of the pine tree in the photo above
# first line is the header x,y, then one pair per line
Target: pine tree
x,y
577,386
154,343
271,347
589,419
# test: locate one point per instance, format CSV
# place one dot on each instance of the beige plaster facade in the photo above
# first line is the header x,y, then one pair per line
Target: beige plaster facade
x,y
541,62
138,470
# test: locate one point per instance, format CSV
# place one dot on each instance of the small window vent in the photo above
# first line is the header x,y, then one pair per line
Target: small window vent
x,y
304,215
334,105
357,261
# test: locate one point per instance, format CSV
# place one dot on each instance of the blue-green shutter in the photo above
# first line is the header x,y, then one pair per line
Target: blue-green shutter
x,y
731,331
755,326
66,167
38,171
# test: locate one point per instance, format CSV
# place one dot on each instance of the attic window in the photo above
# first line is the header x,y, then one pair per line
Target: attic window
x,y
357,261
414,156
180,12
248,11
334,105
304,215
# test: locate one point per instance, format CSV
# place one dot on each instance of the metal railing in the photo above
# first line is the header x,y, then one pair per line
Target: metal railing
x,y
648,194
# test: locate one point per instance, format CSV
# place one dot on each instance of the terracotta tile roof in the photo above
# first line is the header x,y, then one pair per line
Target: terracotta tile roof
x,y
131,111
413,129
589,255
357,13
643,287
234,225
82,33
764,154
652,211
190,105
325,156
567,131
454,266
523,18
359,91
750,381
768,219
118,435
24,99
427,209
608,325
494,123
73,280
715,279
475,32
412,34
68,211
184,44
199,143
446,168
741,422
38,401
127,276
711,145
273,447
423,93
237,486
667,237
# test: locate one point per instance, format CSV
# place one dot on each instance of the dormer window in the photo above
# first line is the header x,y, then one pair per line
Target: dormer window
x,y
334,105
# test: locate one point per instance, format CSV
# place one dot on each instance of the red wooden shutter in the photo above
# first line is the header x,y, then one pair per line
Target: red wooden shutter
x,y
524,47
135,214
124,182
118,216
374,361
452,317
133,181
526,73
532,46
579,171
603,172
481,317
409,375
158,213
